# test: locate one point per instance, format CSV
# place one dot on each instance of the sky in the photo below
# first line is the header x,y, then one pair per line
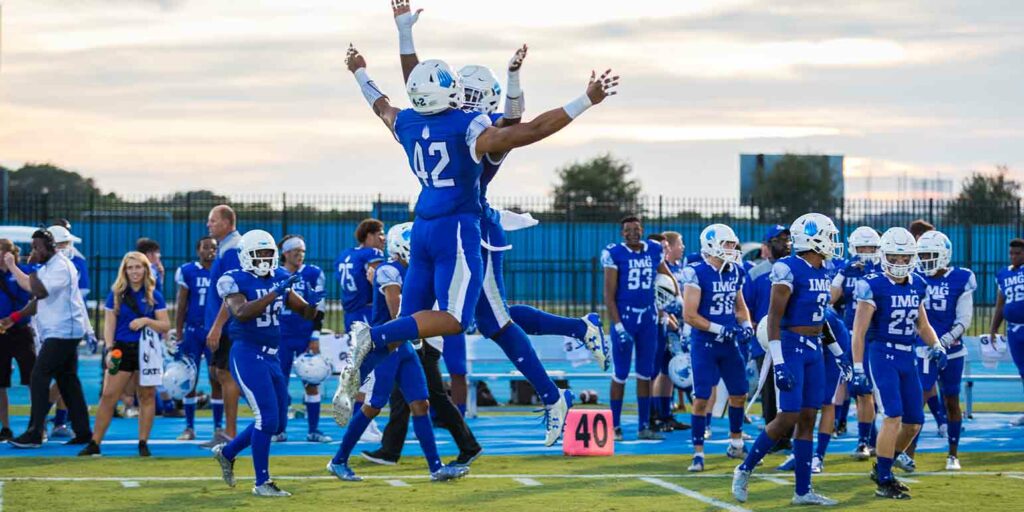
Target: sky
x,y
156,96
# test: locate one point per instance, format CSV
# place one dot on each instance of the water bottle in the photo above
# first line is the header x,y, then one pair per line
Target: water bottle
x,y
115,359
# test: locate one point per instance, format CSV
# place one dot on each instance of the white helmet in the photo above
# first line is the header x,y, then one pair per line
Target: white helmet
x,y
62,235
664,291
179,377
400,240
483,92
934,251
434,88
713,240
898,242
253,241
312,369
680,370
816,232
864,236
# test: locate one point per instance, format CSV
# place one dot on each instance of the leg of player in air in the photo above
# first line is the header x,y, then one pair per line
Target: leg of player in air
x,y
587,329
455,362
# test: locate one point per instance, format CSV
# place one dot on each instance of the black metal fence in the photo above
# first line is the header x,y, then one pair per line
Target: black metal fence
x,y
553,265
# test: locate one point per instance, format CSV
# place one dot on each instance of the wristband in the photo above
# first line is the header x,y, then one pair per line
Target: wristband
x,y
515,104
405,44
619,327
836,350
369,89
858,367
577,106
714,328
775,347
15,316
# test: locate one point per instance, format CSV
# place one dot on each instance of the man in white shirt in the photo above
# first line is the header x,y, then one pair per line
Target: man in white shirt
x,y
60,318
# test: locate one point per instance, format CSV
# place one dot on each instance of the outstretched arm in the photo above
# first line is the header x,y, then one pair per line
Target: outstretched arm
x,y
377,100
500,140
404,20
514,102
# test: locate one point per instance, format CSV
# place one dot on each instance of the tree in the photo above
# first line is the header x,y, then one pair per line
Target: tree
x,y
34,179
797,185
987,199
601,188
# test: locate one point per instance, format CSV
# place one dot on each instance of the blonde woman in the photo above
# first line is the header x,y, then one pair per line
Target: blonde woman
x,y
133,304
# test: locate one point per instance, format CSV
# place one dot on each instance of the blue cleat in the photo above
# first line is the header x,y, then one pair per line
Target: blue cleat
x,y
449,472
343,472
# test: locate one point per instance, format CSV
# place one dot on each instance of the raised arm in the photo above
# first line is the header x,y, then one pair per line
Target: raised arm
x,y
404,20
377,100
498,140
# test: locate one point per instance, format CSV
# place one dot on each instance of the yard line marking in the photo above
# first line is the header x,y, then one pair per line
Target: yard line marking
x,y
775,480
910,480
1,496
694,494
1018,477
529,482
397,483
129,484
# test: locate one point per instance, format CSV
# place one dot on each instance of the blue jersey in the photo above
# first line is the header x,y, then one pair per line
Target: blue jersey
x,y
810,291
265,329
440,149
490,169
636,272
896,307
227,260
676,269
847,279
12,297
351,265
943,293
388,274
834,266
1011,286
839,331
311,289
195,278
126,313
718,294
83,272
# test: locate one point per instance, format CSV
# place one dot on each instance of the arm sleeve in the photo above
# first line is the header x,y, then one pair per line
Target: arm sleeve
x,y
319,286
782,274
965,305
476,127
690,278
179,277
837,282
863,293
606,259
226,285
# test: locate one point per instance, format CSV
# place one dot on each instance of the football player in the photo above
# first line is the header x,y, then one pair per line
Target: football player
x,y
674,252
891,315
193,281
402,366
950,307
446,146
355,270
1010,305
796,315
864,259
629,269
299,334
255,294
713,305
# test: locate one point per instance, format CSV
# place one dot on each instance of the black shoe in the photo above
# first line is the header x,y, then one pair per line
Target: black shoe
x,y
174,413
466,458
841,429
783,445
144,449
90,449
896,481
677,425
892,491
27,440
379,457
5,434
79,440
202,401
118,413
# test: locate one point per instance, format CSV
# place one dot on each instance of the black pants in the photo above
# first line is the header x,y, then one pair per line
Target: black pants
x,y
58,360
398,423
769,406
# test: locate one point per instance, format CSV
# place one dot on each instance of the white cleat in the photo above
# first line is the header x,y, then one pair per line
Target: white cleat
x,y
554,417
341,404
362,345
372,434
270,490
697,466
1019,422
736,452
740,479
813,498
279,438
595,341
952,463
904,462
943,431
817,465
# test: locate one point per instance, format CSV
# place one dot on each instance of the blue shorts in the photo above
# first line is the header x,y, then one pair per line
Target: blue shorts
x,y
642,325
290,349
491,308
804,361
897,387
194,346
363,314
948,378
832,376
454,354
402,367
444,266
258,373
713,361
1015,342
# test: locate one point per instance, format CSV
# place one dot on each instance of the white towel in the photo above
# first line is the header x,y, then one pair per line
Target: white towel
x,y
151,358
512,221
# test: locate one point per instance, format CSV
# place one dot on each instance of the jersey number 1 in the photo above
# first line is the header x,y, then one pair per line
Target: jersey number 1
x,y
434,178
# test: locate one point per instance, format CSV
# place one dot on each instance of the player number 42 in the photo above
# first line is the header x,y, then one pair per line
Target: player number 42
x,y
434,178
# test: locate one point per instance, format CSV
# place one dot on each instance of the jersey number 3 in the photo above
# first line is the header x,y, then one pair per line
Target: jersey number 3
x,y
434,178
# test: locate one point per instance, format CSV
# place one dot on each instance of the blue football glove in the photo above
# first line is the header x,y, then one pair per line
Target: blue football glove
x,y
729,334
747,334
783,377
938,355
623,335
92,343
861,384
674,308
285,284
845,369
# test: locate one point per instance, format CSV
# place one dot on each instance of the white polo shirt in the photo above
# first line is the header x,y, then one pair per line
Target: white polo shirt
x,y
62,313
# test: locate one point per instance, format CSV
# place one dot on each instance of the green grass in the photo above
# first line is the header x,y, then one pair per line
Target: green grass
x,y
617,490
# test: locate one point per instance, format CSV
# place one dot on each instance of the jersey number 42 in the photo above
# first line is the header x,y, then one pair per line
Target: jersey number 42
x,y
433,179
